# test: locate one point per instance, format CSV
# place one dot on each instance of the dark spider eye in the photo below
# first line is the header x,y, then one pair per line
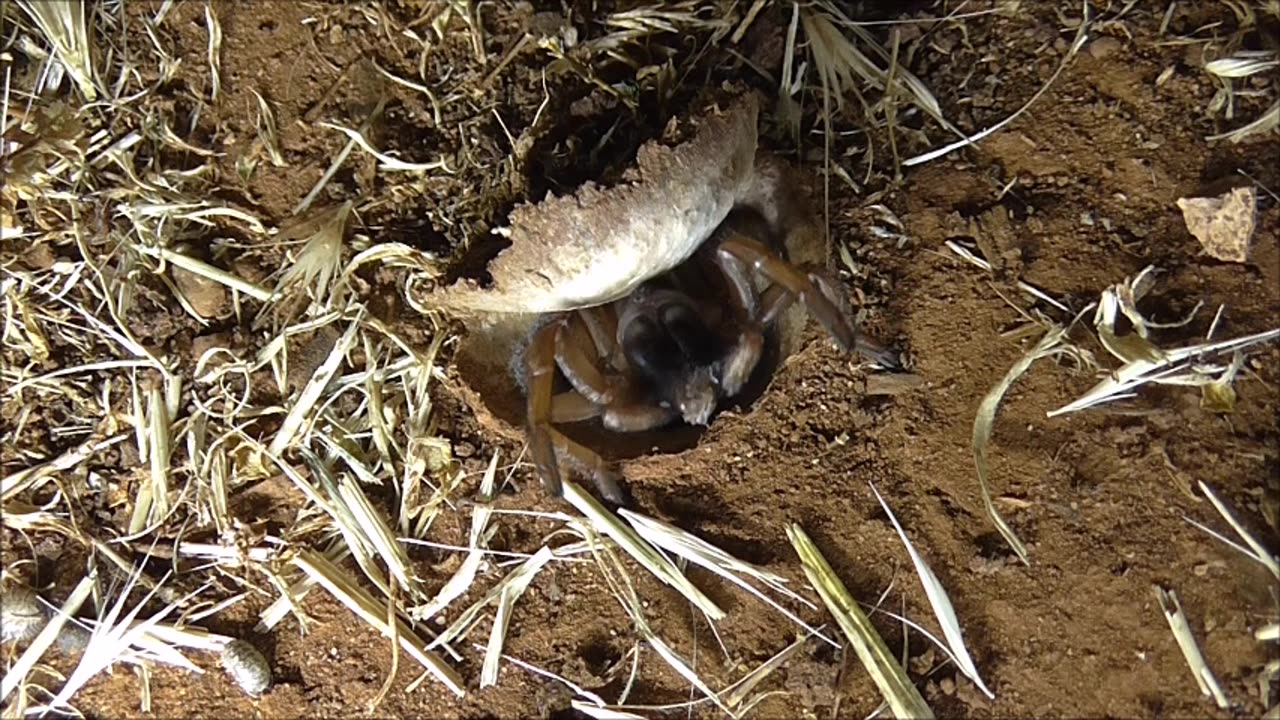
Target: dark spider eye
x,y
650,350
696,341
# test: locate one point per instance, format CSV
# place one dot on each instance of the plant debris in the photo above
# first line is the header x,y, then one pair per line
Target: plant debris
x,y
1225,224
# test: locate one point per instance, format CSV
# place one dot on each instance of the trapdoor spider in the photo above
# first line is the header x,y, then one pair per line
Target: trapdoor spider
x,y
674,349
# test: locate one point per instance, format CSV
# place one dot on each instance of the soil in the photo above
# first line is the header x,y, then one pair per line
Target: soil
x,y
1076,194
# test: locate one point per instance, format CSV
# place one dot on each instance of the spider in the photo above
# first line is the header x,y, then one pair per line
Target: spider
x,y
672,350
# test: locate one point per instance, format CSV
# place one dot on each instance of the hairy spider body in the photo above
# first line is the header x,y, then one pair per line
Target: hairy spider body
x,y
674,349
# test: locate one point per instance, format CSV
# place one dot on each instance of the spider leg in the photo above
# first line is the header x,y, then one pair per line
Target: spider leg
x,y
577,355
637,417
773,302
819,295
571,407
540,372
759,258
740,283
626,415
602,323
591,464
863,345
744,354
741,360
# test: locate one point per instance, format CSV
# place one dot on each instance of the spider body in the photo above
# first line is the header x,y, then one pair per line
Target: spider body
x,y
645,302
675,349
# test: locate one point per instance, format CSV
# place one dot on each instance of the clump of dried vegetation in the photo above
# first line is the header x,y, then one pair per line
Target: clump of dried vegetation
x,y
132,454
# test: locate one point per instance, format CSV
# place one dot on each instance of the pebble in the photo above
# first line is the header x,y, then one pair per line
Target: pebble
x,y
207,297
1104,47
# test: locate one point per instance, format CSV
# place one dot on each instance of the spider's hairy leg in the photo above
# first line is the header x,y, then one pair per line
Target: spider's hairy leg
x,y
540,372
579,358
637,417
747,343
819,295
627,414
741,360
601,323
571,407
591,464
863,345
761,259
742,289
773,302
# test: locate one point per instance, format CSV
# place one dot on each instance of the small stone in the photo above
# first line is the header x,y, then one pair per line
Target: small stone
x,y
922,663
893,384
207,297
947,686
1104,47
39,257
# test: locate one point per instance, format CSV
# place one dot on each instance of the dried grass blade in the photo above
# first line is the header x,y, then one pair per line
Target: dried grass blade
x,y
502,618
677,663
736,694
268,131
215,52
624,591
904,699
1141,370
111,640
47,636
1239,66
985,421
14,483
205,270
152,501
292,594
523,574
1266,122
478,540
608,524
1081,36
314,388
375,529
63,25
353,532
706,555
541,672
941,602
1190,650
1259,551
362,604
387,162
603,713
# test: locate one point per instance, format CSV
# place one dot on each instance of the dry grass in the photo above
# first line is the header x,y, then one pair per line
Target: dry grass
x,y
100,233
86,183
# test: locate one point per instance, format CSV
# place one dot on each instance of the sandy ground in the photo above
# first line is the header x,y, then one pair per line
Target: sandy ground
x,y
1076,194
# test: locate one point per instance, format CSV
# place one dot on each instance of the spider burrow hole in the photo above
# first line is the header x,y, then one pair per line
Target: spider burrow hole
x,y
490,358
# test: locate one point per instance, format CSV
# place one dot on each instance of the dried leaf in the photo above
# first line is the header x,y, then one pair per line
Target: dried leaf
x,y
1224,225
